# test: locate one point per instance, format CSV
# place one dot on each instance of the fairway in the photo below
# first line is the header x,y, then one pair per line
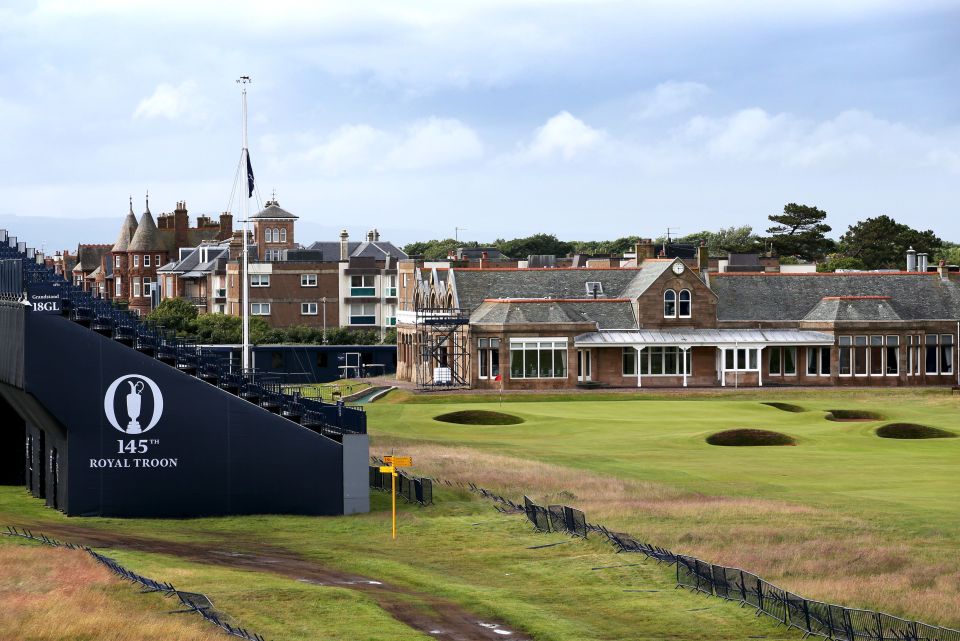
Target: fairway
x,y
843,515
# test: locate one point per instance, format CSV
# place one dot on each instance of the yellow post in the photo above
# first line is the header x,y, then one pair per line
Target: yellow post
x,y
393,493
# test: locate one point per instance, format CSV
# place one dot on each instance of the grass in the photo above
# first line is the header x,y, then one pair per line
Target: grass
x,y
845,516
479,417
460,550
329,392
48,594
748,438
912,431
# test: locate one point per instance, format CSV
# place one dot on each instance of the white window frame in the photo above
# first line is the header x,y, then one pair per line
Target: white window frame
x,y
673,301
259,309
136,288
283,234
116,261
849,347
157,261
680,303
537,345
146,260
118,288
259,280
147,286
363,313
308,280
308,309
866,359
136,260
891,341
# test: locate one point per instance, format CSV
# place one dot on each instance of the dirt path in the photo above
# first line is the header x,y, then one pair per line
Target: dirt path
x,y
435,617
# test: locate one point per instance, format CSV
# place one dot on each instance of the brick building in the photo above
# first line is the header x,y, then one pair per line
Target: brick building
x,y
665,323
129,270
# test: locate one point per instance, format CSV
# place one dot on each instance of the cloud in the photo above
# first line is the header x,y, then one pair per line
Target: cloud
x,y
668,98
428,143
562,136
435,142
173,103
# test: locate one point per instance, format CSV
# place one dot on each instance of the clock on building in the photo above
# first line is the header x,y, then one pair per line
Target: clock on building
x,y
678,268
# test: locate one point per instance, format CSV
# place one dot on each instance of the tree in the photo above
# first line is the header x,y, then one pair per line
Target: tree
x,y
537,245
437,249
218,329
737,240
801,232
177,314
612,247
882,242
837,261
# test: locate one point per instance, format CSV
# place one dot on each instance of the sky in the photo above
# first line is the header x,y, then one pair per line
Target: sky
x,y
584,119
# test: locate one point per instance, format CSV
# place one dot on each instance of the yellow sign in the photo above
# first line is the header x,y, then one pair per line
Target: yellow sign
x,y
392,463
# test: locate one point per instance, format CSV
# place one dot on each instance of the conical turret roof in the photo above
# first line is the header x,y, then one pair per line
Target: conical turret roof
x,y
147,236
127,230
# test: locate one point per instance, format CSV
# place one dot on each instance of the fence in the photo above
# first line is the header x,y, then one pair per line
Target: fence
x,y
733,584
412,489
191,601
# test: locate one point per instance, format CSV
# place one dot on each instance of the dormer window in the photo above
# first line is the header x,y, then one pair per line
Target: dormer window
x,y
594,289
684,303
669,304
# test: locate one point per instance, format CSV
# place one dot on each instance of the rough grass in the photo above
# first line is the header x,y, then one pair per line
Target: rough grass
x,y
786,407
65,595
912,431
854,415
749,437
479,417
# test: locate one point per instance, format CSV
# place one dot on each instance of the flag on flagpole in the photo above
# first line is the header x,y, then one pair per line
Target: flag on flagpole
x,y
249,176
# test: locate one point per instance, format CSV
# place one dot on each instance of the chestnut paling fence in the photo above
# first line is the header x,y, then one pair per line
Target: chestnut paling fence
x,y
733,584
190,601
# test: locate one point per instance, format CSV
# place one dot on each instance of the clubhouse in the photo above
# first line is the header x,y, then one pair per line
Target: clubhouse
x,y
670,322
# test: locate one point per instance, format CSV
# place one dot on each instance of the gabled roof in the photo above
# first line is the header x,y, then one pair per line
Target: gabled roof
x,y
89,257
647,275
273,211
473,286
604,313
147,237
792,297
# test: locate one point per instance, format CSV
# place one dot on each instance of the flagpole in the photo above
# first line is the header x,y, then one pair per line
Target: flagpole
x,y
245,162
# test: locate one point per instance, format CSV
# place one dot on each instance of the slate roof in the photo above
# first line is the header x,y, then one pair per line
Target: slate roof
x,y
127,229
472,286
607,314
89,257
147,237
372,249
853,309
272,210
792,297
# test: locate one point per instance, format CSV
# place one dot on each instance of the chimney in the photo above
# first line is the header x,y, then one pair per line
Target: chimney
x,y
226,226
703,257
180,224
911,260
645,250
376,235
344,245
922,258
942,270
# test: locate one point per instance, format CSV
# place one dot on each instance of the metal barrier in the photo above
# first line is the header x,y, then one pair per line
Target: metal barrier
x,y
192,601
412,489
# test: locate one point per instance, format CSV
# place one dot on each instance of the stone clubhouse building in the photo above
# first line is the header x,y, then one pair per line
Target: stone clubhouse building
x,y
661,322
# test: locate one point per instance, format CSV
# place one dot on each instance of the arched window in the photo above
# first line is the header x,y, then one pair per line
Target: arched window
x,y
684,303
283,235
268,235
669,304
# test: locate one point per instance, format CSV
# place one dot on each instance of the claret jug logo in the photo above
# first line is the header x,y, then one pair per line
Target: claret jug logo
x,y
133,404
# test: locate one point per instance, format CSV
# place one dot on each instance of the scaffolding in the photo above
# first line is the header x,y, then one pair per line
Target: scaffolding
x,y
440,349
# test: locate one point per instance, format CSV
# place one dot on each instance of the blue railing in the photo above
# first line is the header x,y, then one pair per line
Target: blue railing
x,y
22,268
